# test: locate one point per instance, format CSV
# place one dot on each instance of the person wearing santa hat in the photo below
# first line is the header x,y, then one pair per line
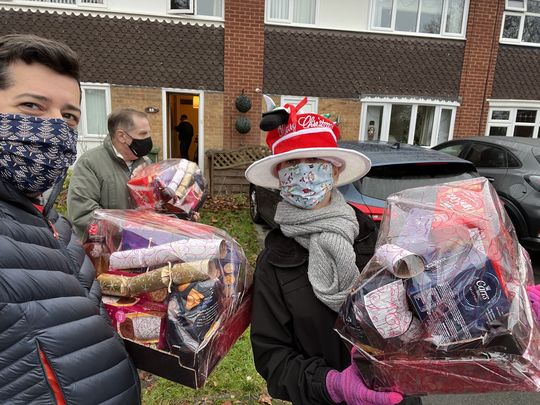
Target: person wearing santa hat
x,y
310,263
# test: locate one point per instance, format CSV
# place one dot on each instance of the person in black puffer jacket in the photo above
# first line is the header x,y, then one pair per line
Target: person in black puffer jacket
x,y
57,344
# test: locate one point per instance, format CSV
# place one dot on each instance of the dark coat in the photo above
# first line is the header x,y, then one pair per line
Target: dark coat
x,y
294,344
185,131
51,315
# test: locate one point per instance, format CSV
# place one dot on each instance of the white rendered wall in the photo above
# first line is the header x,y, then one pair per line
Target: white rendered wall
x,y
153,9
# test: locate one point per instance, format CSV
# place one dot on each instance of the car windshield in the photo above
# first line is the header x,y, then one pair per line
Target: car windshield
x,y
385,180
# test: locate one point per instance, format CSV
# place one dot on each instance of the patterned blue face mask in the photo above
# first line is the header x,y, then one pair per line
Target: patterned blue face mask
x,y
306,184
35,153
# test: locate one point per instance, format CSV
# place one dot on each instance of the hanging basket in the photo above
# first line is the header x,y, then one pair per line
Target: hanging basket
x,y
243,125
243,103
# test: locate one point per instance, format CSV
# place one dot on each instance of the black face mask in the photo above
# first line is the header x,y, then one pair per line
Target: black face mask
x,y
141,147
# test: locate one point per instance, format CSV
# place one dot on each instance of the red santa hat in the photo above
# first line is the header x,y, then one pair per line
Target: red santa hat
x,y
294,135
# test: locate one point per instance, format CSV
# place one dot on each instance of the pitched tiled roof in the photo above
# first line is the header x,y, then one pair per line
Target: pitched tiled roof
x,y
347,64
517,75
129,51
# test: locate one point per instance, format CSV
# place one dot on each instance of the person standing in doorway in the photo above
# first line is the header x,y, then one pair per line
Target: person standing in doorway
x,y
185,135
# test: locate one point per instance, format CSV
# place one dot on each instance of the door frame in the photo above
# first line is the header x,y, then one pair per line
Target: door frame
x,y
200,119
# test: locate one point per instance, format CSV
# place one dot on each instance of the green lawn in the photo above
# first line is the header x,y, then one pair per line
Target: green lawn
x,y
234,380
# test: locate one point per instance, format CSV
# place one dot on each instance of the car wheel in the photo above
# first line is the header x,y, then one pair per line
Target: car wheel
x,y
254,207
516,218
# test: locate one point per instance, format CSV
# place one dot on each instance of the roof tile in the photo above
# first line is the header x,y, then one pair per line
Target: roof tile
x,y
517,74
127,51
324,63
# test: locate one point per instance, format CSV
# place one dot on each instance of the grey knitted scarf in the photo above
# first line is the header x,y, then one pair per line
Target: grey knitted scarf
x,y
328,234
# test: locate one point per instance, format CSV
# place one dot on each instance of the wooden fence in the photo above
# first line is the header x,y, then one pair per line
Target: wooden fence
x,y
226,168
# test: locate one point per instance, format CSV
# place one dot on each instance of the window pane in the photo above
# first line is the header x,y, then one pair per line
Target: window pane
x,y
500,115
533,6
424,125
212,8
279,9
444,126
59,1
486,156
96,111
400,121
511,26
382,181
492,157
531,29
526,116
382,14
454,16
304,11
180,5
497,131
406,14
430,16
453,150
523,132
374,122
515,3
512,160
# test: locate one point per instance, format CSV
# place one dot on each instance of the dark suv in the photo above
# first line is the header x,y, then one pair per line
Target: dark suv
x,y
512,165
395,167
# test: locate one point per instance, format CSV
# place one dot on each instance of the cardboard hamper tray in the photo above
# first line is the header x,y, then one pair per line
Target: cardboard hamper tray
x,y
178,292
193,369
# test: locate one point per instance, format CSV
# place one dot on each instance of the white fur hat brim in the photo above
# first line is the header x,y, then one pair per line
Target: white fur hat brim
x,y
355,165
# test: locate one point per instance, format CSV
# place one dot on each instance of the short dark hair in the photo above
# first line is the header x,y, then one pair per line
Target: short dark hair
x,y
33,49
183,117
123,119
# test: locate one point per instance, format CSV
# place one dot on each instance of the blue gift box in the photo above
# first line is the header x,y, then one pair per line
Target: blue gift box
x,y
458,307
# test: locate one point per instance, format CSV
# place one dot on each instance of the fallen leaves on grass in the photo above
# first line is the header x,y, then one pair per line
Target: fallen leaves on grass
x,y
226,202
265,399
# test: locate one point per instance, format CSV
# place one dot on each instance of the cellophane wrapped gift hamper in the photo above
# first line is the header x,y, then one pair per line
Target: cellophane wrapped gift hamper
x,y
177,291
442,306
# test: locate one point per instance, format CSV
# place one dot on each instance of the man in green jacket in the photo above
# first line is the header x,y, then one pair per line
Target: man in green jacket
x,y
101,174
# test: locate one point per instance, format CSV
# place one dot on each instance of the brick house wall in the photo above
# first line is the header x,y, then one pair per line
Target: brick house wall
x,y
139,98
479,62
245,54
348,112
243,68
213,125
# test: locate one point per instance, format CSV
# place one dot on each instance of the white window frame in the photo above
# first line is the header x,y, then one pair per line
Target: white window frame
x,y
83,124
523,13
512,106
507,7
442,34
210,17
84,3
289,20
190,10
193,14
388,102
312,103
49,3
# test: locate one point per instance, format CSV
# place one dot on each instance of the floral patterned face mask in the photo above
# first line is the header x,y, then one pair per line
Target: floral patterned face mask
x,y
35,153
305,185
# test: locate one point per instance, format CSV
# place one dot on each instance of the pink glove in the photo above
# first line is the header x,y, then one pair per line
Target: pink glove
x,y
348,386
534,297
